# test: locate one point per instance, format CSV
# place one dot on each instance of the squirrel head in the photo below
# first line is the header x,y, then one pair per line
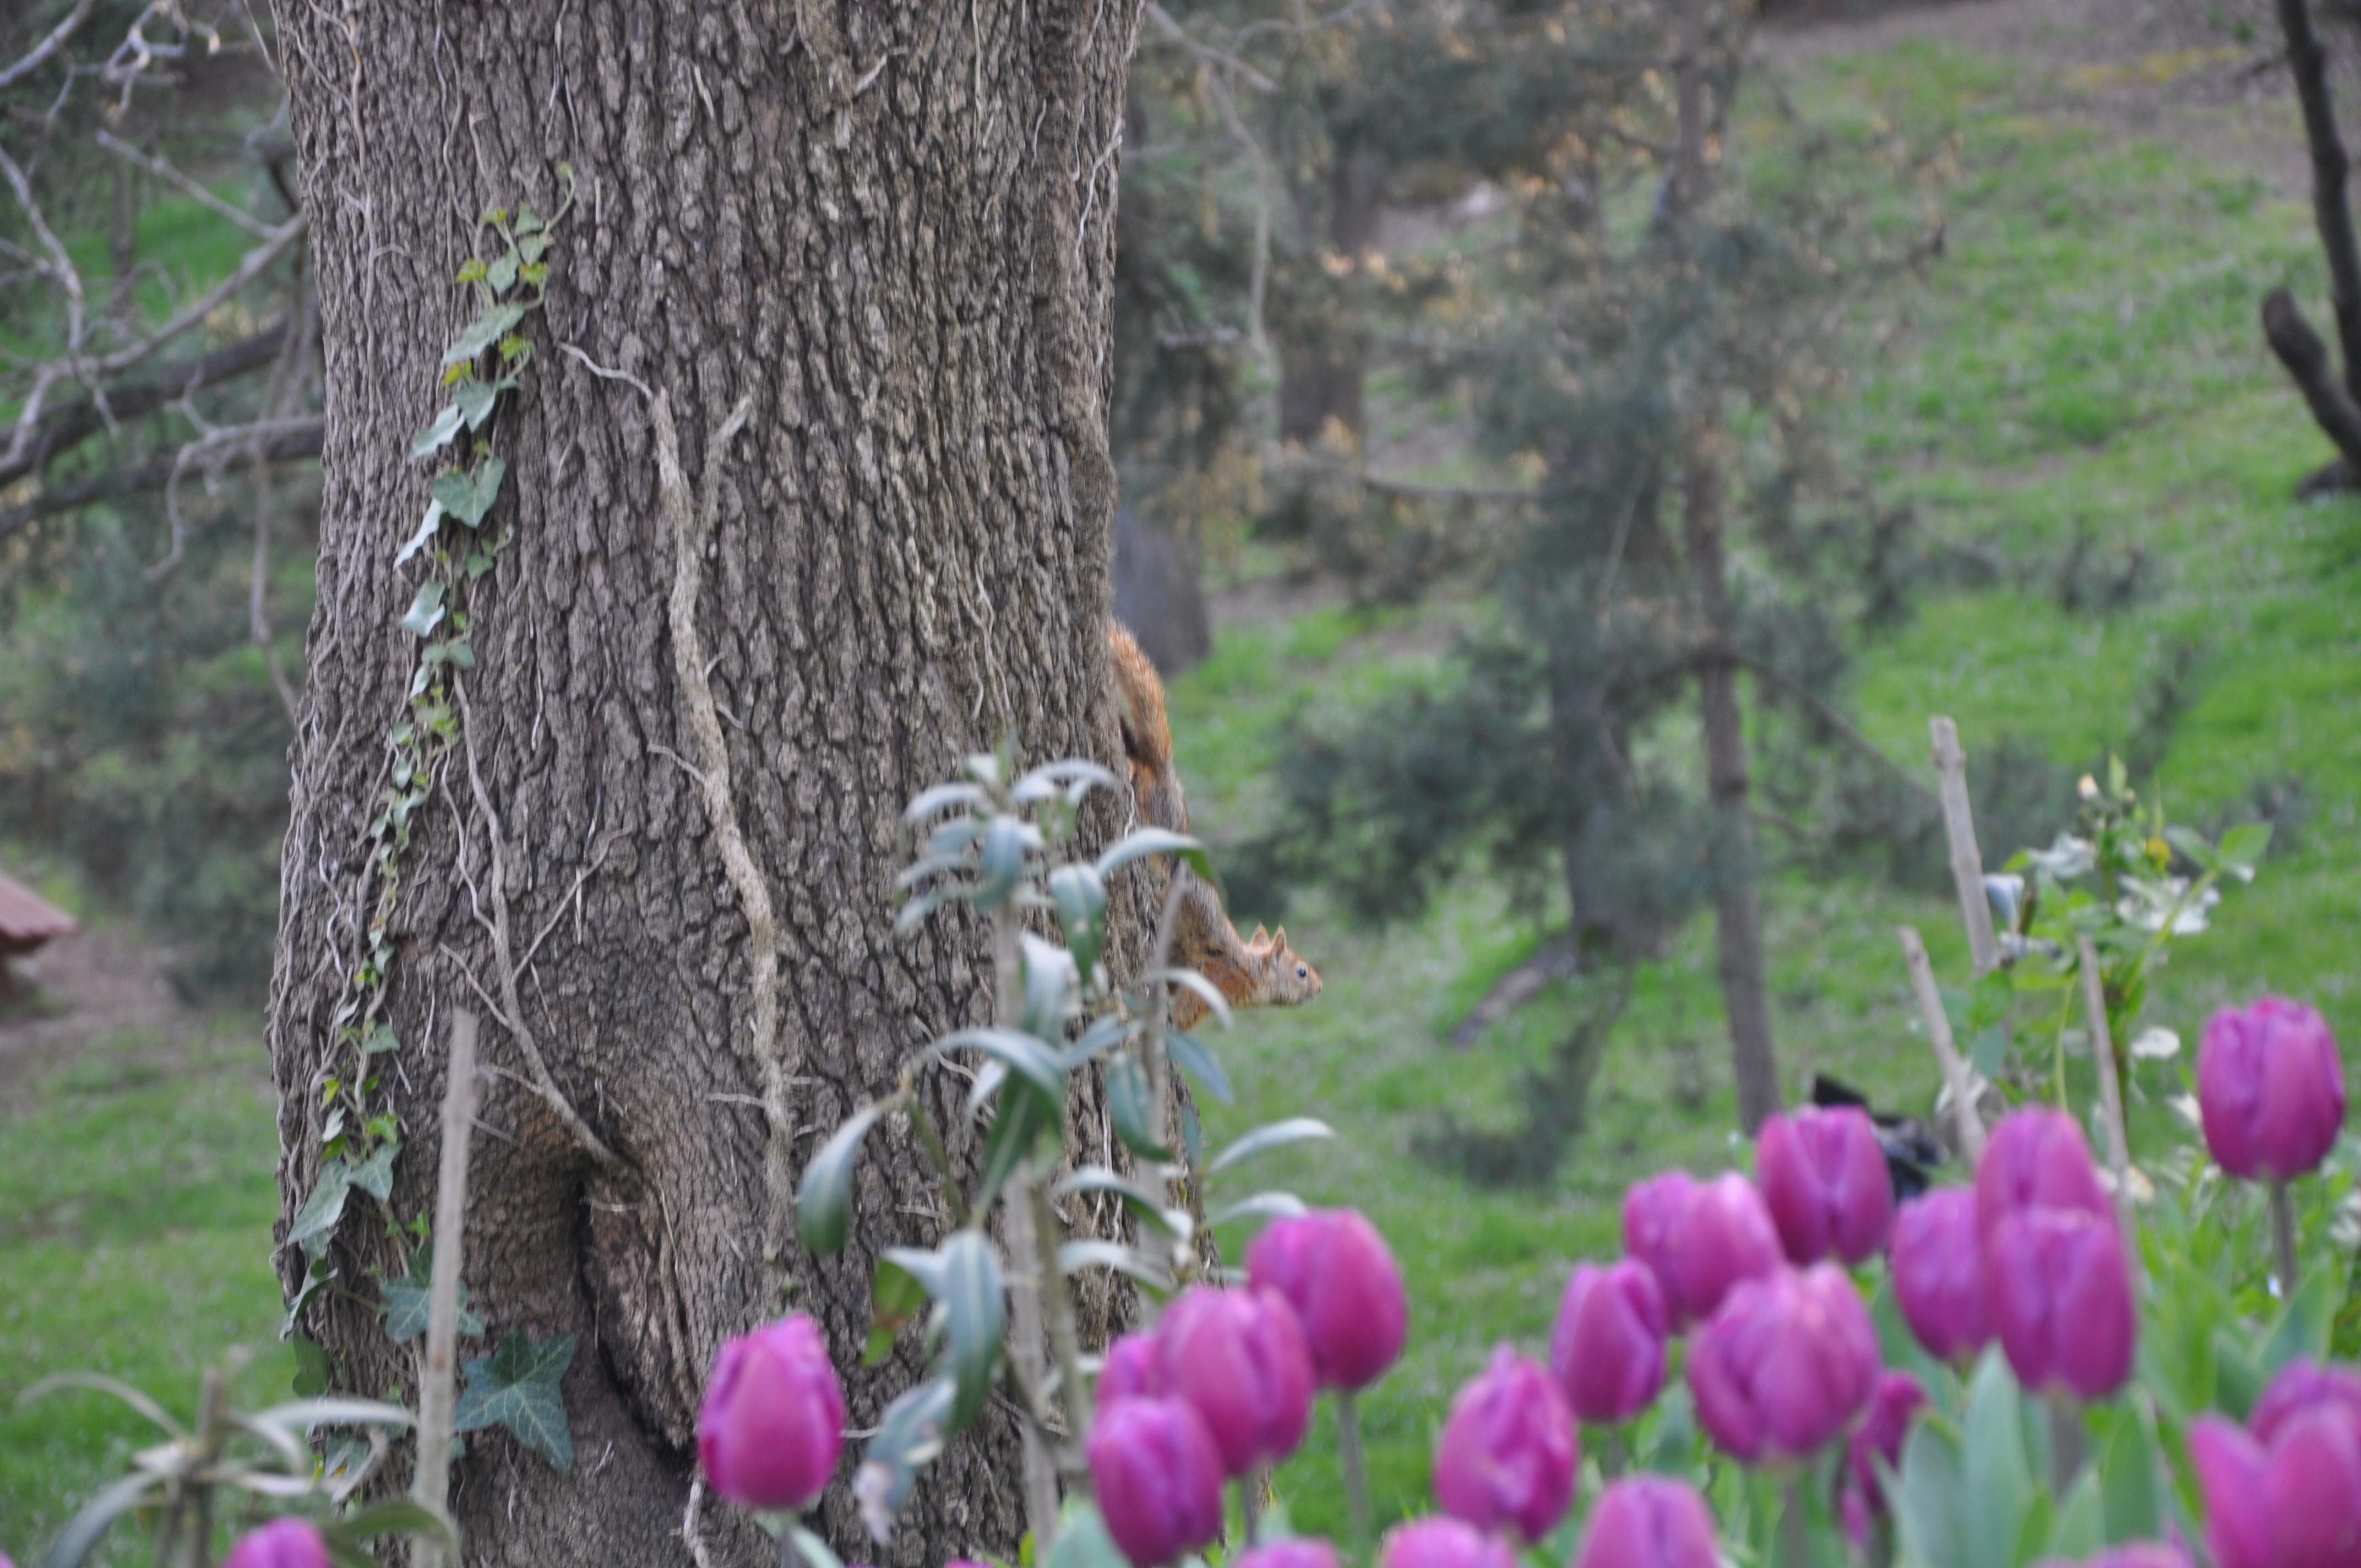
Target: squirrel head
x,y
1289,980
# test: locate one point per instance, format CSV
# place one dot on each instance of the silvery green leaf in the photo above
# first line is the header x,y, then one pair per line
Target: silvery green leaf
x,y
1006,840
1205,990
910,1435
1263,1206
1147,1205
824,1204
1024,1120
1273,1135
1084,1542
988,1080
1145,841
1051,982
1101,1038
1198,1062
1126,1084
1075,1257
975,1311
940,797
1080,898
81,1538
1032,1060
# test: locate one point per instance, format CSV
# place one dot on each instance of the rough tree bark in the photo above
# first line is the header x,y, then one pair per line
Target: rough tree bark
x,y
890,227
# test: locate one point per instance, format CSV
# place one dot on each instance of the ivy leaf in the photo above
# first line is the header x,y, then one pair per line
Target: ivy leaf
x,y
438,431
468,497
425,610
423,537
406,1301
501,274
483,331
315,1221
374,1175
516,1386
476,400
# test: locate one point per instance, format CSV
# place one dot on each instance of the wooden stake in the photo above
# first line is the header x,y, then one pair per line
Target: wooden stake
x,y
1967,861
2111,1091
430,1488
1938,1035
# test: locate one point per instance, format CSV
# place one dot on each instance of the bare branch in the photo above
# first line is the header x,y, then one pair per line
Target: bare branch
x,y
2306,357
48,46
60,430
164,171
248,268
296,441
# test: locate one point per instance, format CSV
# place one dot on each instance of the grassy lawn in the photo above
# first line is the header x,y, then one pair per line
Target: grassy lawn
x,y
2085,359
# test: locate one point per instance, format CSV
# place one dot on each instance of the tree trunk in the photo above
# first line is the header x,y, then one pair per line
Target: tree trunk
x,y
891,228
1322,359
2307,63
1738,911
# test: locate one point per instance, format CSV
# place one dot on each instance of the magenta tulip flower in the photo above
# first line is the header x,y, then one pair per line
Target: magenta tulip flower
x,y
1824,1179
1508,1452
1939,1274
2037,1160
1307,1551
2294,1505
1785,1365
1700,1239
281,1543
1895,1404
1647,1521
1443,1543
1158,1478
2233,1471
1608,1350
1239,1358
1334,1269
1133,1370
2060,1291
2302,1386
773,1422
2272,1090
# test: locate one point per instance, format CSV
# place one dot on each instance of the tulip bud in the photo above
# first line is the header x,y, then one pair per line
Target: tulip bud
x,y
1238,1359
1700,1239
1785,1365
1824,1179
2271,1088
2233,1471
1508,1454
1443,1543
1158,1478
2302,1386
2060,1292
1335,1271
2037,1160
1646,1521
1939,1274
1608,1350
281,1543
1133,1370
773,1422
1306,1552
1892,1408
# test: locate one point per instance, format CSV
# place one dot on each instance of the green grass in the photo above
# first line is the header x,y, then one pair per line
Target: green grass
x,y
2084,357
137,1195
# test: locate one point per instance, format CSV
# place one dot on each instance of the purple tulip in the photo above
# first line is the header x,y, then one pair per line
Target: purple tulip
x,y
2271,1088
1646,1521
1785,1365
1824,1179
1939,1274
1158,1478
1309,1552
1133,1370
1608,1350
1700,1238
281,1543
2301,1387
772,1422
2037,1160
2060,1292
1508,1452
1443,1543
2294,1505
2233,1471
1334,1269
1892,1408
1239,1358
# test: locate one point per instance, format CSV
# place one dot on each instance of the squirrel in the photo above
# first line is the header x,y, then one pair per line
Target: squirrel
x,y
1260,970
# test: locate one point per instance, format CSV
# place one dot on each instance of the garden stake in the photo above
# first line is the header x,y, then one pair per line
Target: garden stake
x,y
1938,1035
2111,1096
1967,861
430,1487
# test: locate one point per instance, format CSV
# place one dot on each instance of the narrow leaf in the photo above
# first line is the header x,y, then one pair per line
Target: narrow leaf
x,y
1262,1206
80,1538
824,1206
1145,841
975,1312
1126,1084
1273,1135
1030,1059
1075,1257
1198,1062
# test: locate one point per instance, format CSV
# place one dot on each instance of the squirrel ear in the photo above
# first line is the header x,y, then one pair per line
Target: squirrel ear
x,y
1261,938
1279,943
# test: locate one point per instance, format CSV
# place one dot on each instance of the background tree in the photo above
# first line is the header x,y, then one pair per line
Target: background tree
x,y
807,494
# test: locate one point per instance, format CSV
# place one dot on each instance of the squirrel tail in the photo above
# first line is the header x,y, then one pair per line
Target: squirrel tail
x,y
1147,733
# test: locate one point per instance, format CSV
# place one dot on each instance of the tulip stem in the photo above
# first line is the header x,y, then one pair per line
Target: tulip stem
x,y
1356,1469
2065,1442
1795,1527
1250,1487
2283,1237
788,1556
